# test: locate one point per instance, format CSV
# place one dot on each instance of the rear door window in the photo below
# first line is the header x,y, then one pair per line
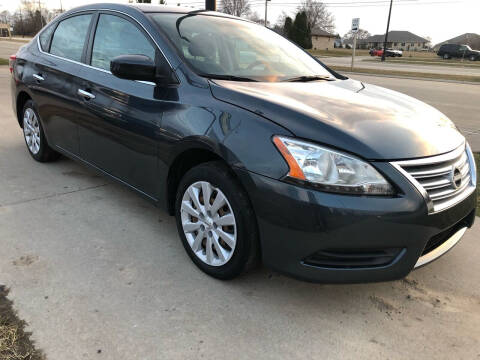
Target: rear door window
x,y
117,36
69,37
45,37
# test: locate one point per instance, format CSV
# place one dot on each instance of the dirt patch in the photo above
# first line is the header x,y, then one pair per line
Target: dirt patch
x,y
382,304
15,343
25,260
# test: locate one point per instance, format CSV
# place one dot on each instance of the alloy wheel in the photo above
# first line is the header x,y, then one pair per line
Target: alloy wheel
x,y
208,223
31,130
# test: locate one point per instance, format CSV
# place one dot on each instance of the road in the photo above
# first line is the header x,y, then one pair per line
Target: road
x,y
99,273
435,69
8,48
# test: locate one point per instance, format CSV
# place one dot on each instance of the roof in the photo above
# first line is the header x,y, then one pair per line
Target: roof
x,y
146,8
471,39
318,32
396,36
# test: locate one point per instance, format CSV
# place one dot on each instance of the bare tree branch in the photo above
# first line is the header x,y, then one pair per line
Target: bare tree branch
x,y
235,7
318,16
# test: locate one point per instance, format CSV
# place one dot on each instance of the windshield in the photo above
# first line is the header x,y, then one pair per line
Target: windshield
x,y
229,48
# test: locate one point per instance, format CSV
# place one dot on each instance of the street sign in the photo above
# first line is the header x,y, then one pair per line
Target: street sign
x,y
355,24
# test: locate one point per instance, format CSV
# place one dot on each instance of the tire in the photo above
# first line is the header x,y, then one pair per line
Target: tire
x,y
237,255
473,58
34,135
446,56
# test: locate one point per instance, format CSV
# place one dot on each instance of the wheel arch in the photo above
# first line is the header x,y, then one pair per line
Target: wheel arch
x,y
22,98
189,154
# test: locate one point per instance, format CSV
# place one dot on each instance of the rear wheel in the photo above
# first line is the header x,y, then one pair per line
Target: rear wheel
x,y
34,135
446,56
216,222
473,57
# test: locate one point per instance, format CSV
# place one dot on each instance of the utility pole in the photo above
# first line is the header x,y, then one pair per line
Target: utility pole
x,y
354,47
40,13
386,34
266,2
210,5
355,28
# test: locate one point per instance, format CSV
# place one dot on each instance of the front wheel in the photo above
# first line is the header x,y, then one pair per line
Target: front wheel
x,y
34,135
473,58
446,56
216,222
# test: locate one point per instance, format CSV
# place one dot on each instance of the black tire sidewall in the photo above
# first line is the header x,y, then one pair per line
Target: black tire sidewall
x,y
220,177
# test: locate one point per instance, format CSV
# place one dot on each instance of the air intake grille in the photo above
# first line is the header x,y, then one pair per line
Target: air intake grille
x,y
444,180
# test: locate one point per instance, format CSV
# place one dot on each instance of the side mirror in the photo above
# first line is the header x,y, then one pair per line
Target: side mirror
x,y
140,67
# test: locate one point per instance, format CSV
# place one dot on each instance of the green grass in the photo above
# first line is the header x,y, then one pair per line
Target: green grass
x,y
477,160
419,55
440,62
3,61
412,74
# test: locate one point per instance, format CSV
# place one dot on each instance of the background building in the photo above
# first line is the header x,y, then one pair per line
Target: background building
x,y
4,30
470,39
400,40
322,40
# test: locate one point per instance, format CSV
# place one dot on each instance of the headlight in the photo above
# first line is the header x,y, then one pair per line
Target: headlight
x,y
331,170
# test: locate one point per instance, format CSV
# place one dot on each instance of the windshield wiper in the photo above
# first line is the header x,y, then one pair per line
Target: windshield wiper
x,y
228,77
307,78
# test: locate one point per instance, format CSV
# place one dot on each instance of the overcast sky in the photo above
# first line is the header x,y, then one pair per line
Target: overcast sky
x,y
439,19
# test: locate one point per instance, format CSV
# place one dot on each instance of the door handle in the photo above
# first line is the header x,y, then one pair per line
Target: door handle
x,y
38,77
85,94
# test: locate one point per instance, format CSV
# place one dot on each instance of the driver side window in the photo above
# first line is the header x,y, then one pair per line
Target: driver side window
x,y
117,36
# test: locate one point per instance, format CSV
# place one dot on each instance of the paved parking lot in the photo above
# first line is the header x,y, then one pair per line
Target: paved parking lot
x,y
99,273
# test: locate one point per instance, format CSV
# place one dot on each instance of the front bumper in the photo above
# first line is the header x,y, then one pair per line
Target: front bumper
x,y
331,238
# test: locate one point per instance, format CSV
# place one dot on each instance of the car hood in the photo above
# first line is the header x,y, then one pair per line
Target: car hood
x,y
367,120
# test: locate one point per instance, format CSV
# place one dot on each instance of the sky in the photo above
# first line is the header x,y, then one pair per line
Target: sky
x,y
438,19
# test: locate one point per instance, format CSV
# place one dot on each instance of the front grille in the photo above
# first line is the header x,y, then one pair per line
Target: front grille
x,y
444,180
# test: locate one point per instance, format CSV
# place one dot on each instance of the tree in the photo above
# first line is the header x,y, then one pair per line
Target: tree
x,y
299,31
318,16
28,19
235,7
361,34
287,27
256,18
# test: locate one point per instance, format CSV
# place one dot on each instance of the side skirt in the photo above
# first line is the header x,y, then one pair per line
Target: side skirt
x,y
78,159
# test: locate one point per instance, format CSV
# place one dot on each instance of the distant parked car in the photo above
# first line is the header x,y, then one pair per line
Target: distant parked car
x,y
389,53
448,51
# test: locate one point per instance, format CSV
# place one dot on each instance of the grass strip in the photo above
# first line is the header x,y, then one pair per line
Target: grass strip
x,y
338,52
412,74
3,61
15,343
470,64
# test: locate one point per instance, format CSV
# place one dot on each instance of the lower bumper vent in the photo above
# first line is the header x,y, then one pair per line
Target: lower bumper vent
x,y
352,259
437,240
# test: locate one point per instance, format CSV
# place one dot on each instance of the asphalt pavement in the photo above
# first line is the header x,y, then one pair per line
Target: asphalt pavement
x,y
434,69
99,273
8,48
